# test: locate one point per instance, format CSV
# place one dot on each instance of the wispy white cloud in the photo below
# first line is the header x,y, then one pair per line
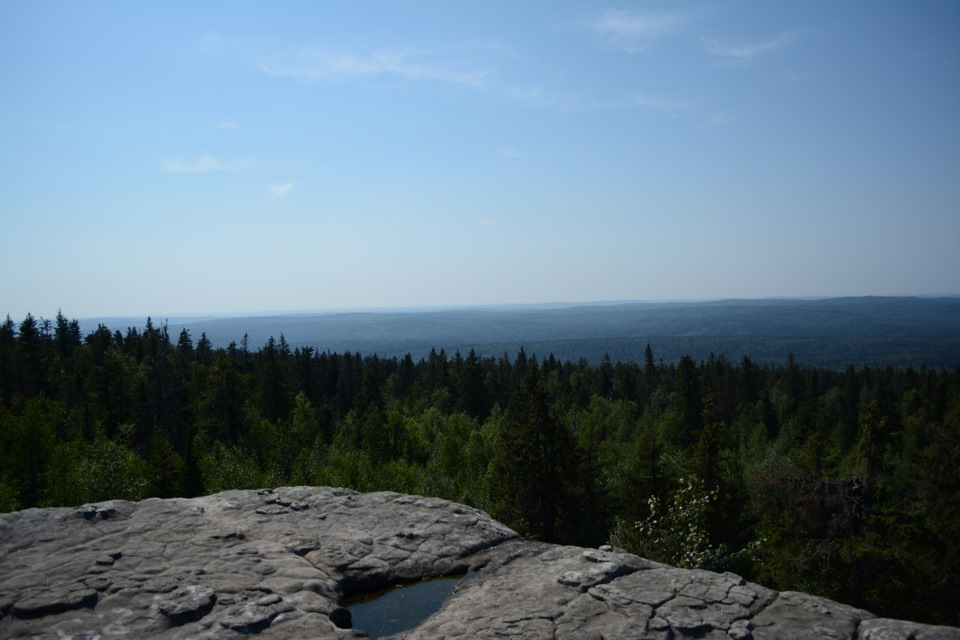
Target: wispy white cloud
x,y
315,65
200,165
454,66
205,163
664,105
747,51
634,31
280,190
459,65
227,124
534,96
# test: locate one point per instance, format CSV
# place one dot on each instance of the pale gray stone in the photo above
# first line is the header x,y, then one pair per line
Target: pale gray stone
x,y
281,563
278,562
189,603
886,629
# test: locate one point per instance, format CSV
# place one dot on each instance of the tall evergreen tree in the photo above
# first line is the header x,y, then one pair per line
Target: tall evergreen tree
x,y
535,466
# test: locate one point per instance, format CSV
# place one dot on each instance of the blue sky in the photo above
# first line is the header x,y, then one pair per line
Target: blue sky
x,y
213,157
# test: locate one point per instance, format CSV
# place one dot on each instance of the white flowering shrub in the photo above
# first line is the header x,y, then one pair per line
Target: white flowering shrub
x,y
674,533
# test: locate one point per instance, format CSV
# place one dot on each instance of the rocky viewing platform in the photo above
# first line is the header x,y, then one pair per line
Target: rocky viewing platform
x,y
282,563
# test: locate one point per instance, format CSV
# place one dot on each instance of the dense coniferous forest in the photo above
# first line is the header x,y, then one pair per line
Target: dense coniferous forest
x,y
840,482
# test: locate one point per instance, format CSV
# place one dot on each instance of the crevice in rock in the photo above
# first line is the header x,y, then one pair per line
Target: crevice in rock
x,y
50,602
284,574
341,618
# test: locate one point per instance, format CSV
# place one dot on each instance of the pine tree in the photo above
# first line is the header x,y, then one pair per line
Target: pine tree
x,y
535,466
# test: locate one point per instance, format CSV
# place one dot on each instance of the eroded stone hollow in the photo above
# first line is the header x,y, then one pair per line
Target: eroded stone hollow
x,y
404,606
281,563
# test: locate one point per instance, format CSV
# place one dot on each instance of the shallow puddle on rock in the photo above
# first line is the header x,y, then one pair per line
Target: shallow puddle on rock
x,y
382,613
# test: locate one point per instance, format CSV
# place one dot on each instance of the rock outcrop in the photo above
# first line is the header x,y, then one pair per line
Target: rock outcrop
x,y
282,562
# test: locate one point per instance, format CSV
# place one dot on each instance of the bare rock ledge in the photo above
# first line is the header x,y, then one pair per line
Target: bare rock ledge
x,y
280,563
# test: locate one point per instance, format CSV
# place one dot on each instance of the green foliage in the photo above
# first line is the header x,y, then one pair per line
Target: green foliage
x,y
9,500
229,467
536,465
842,482
166,467
80,472
29,436
674,532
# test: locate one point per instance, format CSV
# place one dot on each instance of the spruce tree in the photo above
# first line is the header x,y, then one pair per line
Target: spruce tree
x,y
535,466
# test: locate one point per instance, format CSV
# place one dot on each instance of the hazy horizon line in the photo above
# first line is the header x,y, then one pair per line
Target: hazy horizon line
x,y
426,308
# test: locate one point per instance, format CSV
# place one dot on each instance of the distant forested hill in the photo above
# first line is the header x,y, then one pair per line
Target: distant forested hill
x,y
840,481
829,332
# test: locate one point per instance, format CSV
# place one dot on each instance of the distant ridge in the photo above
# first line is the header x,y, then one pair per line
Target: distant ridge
x,y
915,331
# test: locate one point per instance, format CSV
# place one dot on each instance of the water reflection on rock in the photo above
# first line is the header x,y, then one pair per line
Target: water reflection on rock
x,y
389,611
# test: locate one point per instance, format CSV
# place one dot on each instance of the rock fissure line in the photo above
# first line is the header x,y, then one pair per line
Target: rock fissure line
x,y
280,562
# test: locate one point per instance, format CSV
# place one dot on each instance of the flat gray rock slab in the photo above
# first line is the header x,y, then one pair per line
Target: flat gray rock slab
x,y
529,590
276,562
281,563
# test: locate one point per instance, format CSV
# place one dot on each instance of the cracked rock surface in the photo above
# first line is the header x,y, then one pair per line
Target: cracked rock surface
x,y
280,563
530,590
274,562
